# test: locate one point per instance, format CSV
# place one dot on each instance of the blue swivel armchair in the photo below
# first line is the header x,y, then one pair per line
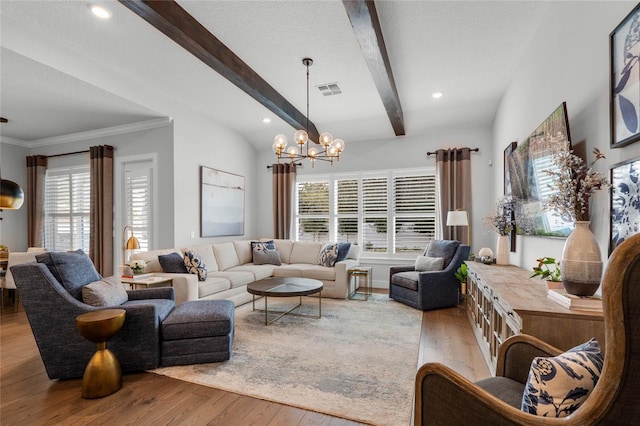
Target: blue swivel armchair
x,y
433,289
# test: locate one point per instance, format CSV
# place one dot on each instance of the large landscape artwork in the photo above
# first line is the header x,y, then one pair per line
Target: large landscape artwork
x,y
222,203
530,182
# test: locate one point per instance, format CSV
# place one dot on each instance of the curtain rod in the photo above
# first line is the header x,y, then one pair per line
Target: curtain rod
x,y
458,149
68,153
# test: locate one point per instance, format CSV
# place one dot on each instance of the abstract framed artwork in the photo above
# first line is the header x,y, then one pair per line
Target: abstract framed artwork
x,y
625,201
507,186
624,51
221,203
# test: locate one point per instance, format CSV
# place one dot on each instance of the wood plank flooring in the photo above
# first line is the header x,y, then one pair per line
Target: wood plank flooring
x,y
28,397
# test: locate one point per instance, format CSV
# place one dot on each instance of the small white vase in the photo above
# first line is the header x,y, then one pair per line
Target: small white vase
x,y
502,252
581,264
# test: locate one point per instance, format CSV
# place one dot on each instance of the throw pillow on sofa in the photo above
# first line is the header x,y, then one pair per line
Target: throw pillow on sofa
x,y
328,255
172,263
265,253
105,292
194,265
343,251
557,386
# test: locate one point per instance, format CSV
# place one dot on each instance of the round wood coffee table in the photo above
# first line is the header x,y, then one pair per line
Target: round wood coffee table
x,y
285,287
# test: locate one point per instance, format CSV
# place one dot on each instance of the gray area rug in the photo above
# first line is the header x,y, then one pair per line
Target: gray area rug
x,y
356,362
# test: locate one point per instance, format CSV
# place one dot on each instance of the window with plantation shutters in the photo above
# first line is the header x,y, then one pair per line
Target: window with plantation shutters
x,y
346,202
138,202
66,210
313,211
414,198
375,214
387,213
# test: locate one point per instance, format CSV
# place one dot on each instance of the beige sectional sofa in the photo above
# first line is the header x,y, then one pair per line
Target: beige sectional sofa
x,y
230,268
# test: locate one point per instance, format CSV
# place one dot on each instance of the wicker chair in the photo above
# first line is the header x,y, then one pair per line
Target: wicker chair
x,y
445,397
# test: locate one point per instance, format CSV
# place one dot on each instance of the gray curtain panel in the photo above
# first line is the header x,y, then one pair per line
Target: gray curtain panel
x,y
284,182
101,216
36,169
453,177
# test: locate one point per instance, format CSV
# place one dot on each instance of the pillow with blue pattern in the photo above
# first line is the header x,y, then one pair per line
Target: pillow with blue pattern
x,y
557,386
328,255
194,265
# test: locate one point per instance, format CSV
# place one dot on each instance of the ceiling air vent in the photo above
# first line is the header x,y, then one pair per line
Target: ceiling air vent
x,y
329,89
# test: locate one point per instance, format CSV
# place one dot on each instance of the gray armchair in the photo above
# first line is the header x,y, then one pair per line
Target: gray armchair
x,y
431,289
52,310
443,396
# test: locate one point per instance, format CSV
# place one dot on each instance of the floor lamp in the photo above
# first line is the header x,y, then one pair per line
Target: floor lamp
x,y
129,244
460,218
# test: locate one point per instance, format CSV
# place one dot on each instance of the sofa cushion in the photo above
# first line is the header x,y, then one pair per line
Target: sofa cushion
x,y
226,255
426,263
266,257
163,306
206,254
317,272
305,252
285,247
243,250
151,257
557,386
328,255
406,279
105,292
503,388
343,251
354,251
293,270
195,265
213,285
259,272
236,278
442,248
172,263
199,318
73,268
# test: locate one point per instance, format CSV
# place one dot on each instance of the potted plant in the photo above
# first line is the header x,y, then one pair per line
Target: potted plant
x,y
461,275
548,269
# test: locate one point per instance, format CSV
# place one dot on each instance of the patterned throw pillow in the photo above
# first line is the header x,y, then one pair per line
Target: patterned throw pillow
x,y
106,292
194,265
265,253
328,255
557,386
426,264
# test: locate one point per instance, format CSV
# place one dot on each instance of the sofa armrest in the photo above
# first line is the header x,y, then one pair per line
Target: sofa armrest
x,y
516,353
185,286
341,269
151,293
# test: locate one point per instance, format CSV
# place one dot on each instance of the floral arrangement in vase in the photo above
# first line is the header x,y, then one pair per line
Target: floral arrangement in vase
x,y
502,221
137,266
573,182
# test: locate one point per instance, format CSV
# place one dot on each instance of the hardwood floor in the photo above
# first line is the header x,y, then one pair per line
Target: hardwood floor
x,y
28,397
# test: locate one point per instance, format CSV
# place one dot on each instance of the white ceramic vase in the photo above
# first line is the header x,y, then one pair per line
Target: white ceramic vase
x,y
581,263
502,252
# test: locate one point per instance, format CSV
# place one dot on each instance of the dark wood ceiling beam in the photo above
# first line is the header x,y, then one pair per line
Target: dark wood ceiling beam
x,y
176,23
366,26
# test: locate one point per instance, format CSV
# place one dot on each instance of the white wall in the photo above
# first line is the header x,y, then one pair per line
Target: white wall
x,y
13,226
568,60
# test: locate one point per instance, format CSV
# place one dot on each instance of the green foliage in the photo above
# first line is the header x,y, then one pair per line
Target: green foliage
x,y
544,269
461,273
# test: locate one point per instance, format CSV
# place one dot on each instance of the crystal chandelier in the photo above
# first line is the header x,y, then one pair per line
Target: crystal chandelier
x,y
331,147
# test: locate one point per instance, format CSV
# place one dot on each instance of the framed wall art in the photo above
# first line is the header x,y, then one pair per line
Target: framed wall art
x,y
507,186
221,203
624,51
625,202
529,167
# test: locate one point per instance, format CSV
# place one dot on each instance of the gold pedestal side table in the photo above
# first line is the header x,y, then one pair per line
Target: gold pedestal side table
x,y
103,375
360,272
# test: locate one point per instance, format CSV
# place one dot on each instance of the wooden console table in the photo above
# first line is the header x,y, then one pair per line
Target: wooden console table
x,y
502,301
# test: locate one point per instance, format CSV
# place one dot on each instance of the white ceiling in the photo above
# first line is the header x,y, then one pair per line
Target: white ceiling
x,y
468,50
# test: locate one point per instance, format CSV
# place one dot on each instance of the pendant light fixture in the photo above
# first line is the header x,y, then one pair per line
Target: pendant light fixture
x,y
331,147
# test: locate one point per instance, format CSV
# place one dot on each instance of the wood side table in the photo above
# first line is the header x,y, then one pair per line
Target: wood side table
x,y
148,282
103,375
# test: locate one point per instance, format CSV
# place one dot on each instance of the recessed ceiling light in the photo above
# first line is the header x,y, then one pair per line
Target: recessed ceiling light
x,y
266,120
100,11
437,95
